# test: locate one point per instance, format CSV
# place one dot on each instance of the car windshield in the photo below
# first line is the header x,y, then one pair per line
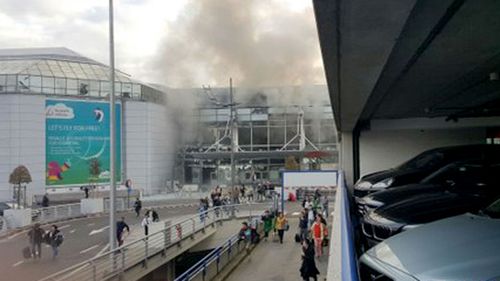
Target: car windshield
x,y
493,210
463,174
428,159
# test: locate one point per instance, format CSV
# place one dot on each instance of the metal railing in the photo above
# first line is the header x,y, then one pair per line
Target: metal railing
x,y
342,264
68,211
137,253
55,213
213,263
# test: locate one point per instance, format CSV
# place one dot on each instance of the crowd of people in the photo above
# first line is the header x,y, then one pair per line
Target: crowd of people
x,y
312,231
232,196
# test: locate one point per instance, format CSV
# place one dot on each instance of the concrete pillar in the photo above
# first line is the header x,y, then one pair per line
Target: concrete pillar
x,y
346,156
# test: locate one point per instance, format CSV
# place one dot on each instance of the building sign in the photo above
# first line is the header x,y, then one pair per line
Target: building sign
x,y
77,147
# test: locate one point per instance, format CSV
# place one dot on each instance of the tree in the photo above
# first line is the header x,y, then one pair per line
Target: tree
x,y
21,175
94,169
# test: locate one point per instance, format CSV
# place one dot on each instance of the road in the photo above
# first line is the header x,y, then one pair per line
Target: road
x,y
84,239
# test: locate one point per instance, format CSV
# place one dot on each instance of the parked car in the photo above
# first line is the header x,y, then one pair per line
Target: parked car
x,y
478,177
464,247
3,206
423,165
415,211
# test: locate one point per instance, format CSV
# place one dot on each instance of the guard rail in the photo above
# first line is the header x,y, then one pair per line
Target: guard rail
x,y
114,263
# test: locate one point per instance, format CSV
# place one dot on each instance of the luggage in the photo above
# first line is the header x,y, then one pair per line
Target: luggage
x,y
59,239
297,238
324,243
26,252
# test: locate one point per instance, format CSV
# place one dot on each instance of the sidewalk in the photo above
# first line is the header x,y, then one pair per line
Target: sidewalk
x,y
271,261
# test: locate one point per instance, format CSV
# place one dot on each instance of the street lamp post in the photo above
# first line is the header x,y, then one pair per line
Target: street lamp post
x,y
231,107
112,137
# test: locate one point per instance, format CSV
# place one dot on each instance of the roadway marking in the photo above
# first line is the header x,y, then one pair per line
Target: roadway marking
x,y
17,263
72,231
89,249
102,250
17,234
90,224
64,226
295,213
95,231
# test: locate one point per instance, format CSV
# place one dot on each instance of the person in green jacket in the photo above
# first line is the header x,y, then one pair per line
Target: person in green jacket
x,y
268,221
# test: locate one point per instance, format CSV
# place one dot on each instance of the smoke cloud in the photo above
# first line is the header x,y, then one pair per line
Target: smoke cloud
x,y
258,43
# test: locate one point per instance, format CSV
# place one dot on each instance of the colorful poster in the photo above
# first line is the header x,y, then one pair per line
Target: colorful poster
x,y
77,143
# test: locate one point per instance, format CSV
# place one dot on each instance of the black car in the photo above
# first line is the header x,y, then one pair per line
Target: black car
x,y
478,177
3,206
423,165
389,220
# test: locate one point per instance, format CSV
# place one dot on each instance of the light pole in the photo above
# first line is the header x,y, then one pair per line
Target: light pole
x,y
231,103
112,137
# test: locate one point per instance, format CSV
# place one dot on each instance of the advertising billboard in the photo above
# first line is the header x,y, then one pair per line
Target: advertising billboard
x,y
77,143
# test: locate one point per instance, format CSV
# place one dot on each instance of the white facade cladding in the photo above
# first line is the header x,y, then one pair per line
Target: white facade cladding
x,y
146,149
22,141
29,77
149,151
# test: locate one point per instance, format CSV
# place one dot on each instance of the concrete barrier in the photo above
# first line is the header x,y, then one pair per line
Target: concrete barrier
x,y
17,217
92,205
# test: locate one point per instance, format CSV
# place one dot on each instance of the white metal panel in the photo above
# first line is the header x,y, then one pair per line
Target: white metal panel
x,y
310,179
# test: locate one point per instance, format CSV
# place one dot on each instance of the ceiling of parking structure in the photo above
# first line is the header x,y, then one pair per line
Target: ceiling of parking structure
x,y
437,64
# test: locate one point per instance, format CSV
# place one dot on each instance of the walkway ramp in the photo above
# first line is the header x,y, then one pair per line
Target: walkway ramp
x,y
272,261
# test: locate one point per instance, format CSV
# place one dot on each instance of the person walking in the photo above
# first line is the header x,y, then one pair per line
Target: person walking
x,y
308,267
120,228
137,207
155,216
36,235
201,210
324,203
281,223
318,232
268,220
45,200
303,225
310,217
146,221
55,239
245,235
235,192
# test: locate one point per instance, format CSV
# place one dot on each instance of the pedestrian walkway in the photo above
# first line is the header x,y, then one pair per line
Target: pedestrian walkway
x,y
271,261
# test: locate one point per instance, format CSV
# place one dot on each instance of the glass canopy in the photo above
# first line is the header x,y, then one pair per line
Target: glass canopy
x,y
63,72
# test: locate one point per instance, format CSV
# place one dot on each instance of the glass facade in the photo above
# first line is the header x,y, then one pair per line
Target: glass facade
x,y
268,128
265,129
68,77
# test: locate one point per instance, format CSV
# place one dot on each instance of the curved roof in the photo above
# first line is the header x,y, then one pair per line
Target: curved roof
x,y
55,62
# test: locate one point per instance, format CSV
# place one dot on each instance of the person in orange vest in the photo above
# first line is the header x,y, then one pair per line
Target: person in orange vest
x,y
318,234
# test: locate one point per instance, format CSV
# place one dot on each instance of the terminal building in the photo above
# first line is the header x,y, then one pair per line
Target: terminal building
x,y
53,110
55,122
275,128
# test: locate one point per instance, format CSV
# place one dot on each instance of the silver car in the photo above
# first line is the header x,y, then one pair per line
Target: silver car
x,y
465,247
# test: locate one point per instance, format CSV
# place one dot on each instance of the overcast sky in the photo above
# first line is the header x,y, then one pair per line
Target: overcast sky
x,y
148,31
